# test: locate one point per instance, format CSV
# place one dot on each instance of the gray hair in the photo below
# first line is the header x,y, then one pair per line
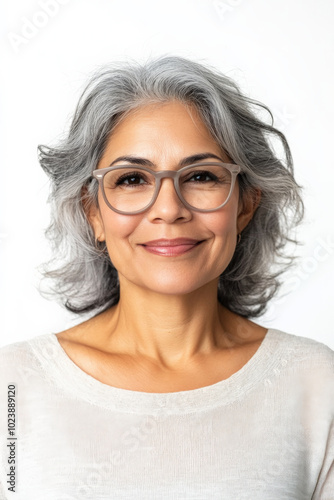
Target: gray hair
x,y
82,274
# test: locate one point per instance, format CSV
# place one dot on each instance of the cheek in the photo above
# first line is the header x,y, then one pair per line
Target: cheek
x,y
223,223
118,228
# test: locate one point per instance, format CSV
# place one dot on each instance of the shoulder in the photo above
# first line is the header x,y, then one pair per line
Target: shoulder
x,y
18,355
20,347
305,348
305,362
10,351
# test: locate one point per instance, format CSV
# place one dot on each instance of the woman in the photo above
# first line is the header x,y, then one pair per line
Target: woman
x,y
170,215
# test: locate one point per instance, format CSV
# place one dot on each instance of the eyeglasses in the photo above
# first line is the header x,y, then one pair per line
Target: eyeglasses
x,y
203,187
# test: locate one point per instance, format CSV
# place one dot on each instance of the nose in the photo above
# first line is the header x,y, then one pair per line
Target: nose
x,y
168,207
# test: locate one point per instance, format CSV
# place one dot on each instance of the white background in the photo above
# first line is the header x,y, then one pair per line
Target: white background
x,y
279,51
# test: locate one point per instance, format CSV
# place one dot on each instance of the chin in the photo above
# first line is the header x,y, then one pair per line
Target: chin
x,y
167,285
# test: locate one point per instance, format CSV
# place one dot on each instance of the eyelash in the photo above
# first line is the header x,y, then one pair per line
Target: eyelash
x,y
128,175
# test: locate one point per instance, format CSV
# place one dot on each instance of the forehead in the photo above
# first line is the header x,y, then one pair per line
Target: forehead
x,y
161,131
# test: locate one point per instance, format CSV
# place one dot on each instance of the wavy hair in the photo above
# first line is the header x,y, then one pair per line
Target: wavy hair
x,y
82,275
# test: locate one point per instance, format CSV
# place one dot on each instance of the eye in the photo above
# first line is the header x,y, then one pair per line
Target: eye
x,y
131,179
201,176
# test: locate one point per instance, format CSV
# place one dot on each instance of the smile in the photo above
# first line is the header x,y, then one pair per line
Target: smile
x,y
171,248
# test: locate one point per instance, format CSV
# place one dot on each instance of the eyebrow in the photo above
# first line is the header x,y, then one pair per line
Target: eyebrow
x,y
144,162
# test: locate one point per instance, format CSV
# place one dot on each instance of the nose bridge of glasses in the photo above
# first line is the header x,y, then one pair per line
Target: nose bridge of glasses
x,y
166,174
162,174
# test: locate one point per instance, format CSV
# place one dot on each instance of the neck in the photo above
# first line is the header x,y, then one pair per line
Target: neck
x,y
170,330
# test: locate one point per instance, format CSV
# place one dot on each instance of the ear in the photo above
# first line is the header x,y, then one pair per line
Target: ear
x,y
247,206
93,214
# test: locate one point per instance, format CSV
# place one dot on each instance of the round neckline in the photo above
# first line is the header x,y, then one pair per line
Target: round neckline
x,y
79,384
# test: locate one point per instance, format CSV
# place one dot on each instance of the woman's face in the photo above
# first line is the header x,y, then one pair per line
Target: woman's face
x,y
165,134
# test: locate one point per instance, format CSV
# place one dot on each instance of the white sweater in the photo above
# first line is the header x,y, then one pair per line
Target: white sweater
x,y
265,433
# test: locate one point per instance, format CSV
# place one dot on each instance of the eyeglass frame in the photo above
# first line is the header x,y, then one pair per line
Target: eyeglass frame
x,y
99,174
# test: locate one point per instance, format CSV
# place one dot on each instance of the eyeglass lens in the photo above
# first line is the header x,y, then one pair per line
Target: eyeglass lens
x,y
130,189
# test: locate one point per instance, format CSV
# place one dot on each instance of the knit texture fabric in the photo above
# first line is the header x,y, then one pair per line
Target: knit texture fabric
x,y
264,433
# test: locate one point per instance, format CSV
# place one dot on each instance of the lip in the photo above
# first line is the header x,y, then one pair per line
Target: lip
x,y
164,242
171,248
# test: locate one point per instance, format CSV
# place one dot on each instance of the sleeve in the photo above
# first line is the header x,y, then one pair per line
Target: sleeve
x,y
324,489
